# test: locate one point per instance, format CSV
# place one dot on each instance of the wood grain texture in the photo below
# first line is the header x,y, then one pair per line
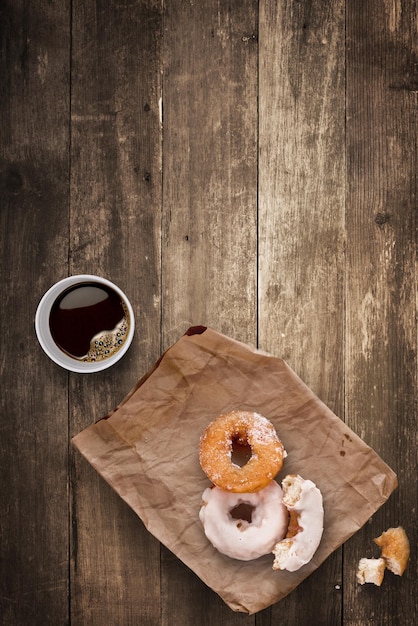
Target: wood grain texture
x,y
245,165
381,284
301,227
115,231
301,190
34,182
209,249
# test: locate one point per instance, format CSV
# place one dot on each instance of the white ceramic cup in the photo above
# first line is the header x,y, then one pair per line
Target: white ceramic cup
x,y
47,342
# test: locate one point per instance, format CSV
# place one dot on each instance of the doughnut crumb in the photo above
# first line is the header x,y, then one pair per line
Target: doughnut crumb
x,y
395,549
371,571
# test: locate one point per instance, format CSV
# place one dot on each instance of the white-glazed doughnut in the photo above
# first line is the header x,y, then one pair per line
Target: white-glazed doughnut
x,y
242,538
304,503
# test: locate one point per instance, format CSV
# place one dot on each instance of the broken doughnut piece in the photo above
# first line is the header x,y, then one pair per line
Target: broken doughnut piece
x,y
303,500
395,549
371,571
394,556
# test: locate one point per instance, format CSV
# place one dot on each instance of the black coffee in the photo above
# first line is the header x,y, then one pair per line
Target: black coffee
x,y
89,322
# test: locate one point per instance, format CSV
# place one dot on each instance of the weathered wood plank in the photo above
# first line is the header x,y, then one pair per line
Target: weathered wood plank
x,y
381,282
34,182
301,226
301,190
199,605
210,177
115,232
209,254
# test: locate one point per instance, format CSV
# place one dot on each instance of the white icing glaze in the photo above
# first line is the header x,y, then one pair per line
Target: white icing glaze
x,y
240,539
305,499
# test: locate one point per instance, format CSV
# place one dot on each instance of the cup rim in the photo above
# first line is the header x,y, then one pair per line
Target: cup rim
x,y
43,331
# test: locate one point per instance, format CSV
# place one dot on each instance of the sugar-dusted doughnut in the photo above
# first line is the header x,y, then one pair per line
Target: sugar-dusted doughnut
x,y
241,428
244,526
304,503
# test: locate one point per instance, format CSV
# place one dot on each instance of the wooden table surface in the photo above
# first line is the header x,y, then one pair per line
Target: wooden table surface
x,y
250,166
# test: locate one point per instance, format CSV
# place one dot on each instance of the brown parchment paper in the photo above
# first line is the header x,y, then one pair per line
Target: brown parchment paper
x,y
147,450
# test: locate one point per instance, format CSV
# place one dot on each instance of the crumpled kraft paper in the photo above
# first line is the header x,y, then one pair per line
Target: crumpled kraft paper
x,y
147,450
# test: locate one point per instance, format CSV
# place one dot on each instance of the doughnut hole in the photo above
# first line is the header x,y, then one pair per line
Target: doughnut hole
x,y
241,451
242,512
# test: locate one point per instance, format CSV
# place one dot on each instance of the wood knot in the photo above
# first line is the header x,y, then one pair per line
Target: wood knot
x,y
382,218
